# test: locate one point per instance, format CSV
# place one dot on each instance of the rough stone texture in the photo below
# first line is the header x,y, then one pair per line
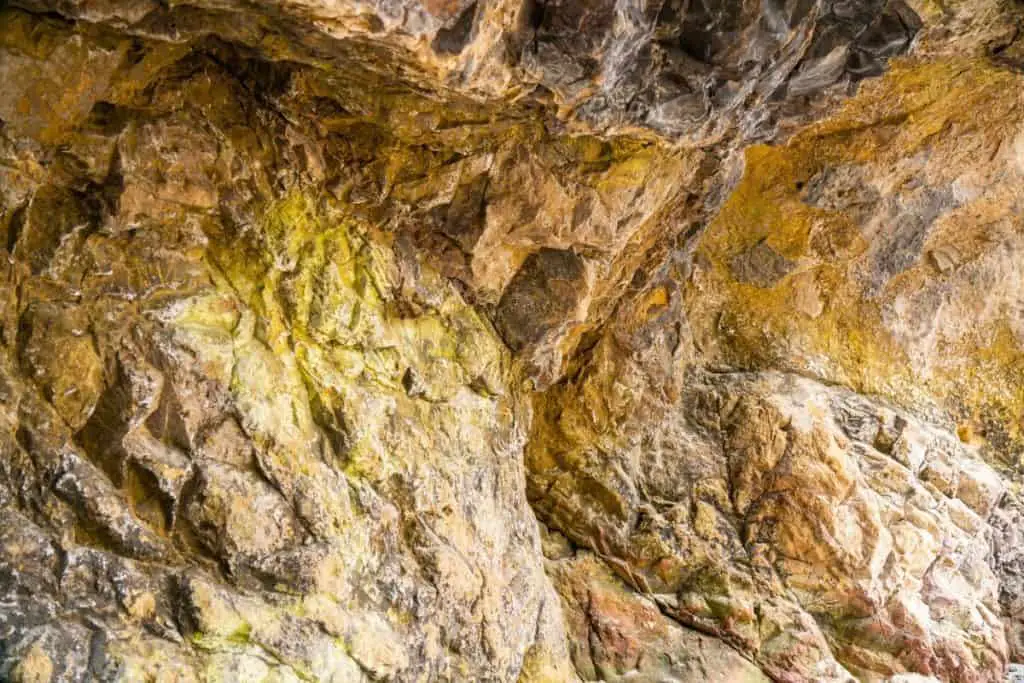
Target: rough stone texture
x,y
511,340
616,634
797,522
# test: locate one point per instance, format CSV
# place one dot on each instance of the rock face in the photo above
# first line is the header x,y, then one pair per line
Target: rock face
x,y
511,340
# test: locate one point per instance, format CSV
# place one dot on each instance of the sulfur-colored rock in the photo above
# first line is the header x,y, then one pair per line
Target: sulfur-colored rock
x,y
507,340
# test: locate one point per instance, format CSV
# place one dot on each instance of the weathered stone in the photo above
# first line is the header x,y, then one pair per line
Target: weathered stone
x,y
616,634
305,305
752,499
544,294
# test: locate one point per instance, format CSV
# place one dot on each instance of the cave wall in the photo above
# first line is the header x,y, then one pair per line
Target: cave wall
x,y
511,340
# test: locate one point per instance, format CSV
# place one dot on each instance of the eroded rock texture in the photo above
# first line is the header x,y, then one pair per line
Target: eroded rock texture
x,y
511,340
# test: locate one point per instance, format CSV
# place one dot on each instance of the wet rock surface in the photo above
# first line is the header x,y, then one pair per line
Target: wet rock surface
x,y
511,341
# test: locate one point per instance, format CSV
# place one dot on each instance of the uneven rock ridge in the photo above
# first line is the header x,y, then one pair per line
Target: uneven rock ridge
x,y
511,340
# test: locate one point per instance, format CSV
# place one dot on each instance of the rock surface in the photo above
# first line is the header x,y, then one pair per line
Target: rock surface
x,y
511,340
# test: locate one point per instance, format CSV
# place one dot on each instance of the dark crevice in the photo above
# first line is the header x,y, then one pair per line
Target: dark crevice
x,y
15,226
1010,54
453,40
